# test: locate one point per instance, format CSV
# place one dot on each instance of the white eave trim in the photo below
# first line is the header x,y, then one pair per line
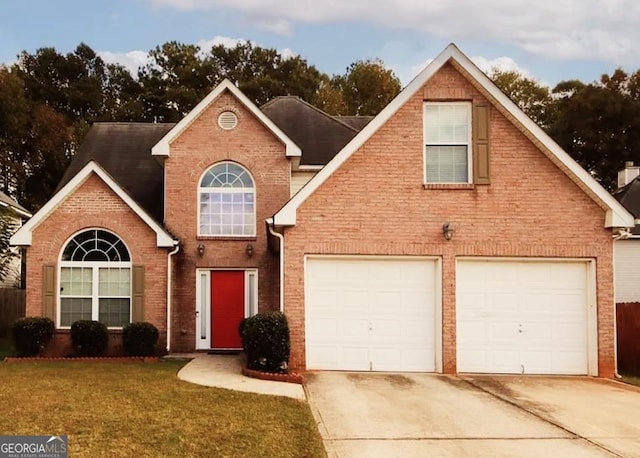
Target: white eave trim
x,y
616,214
162,148
23,237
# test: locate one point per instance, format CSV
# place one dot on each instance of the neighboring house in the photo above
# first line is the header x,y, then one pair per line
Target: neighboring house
x,y
447,234
15,213
627,250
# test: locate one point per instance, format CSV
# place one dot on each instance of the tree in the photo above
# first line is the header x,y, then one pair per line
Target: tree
x,y
367,87
14,118
8,254
329,97
530,96
598,124
174,81
263,73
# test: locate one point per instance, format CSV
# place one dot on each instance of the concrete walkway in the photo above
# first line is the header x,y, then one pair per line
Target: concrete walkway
x,y
224,371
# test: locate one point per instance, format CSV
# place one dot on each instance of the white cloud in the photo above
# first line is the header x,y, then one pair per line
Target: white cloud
x,y
562,29
131,60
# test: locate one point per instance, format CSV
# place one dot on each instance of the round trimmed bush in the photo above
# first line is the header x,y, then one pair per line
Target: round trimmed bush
x,y
140,338
266,341
89,338
31,334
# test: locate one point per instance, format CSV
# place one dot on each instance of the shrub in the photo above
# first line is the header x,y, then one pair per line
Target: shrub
x,y
140,338
31,334
89,338
266,342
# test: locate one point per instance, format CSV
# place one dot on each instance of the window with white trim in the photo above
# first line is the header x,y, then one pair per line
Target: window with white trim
x,y
226,201
95,280
447,136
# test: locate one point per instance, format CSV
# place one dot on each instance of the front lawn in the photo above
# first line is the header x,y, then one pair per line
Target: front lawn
x,y
142,409
632,380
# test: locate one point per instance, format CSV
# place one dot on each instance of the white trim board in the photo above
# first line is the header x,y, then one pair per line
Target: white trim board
x,y
24,235
616,214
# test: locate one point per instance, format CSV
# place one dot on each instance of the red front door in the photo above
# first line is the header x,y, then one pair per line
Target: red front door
x,y
227,308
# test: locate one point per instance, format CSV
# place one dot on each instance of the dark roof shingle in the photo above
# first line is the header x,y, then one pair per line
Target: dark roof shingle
x,y
124,151
319,135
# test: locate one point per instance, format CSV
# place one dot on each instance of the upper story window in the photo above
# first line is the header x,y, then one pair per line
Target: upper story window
x,y
95,280
227,201
447,136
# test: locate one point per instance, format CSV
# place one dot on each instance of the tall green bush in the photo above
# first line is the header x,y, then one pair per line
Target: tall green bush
x,y
89,338
31,334
266,342
140,338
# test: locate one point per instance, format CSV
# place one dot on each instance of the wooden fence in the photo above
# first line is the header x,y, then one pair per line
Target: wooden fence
x,y
628,325
12,304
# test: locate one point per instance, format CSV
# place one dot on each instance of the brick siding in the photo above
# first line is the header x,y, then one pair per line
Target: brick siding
x,y
376,204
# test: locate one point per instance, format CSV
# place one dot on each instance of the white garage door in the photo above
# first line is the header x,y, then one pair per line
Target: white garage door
x,y
370,314
522,317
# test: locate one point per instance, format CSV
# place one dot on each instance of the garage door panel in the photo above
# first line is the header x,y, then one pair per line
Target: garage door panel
x,y
385,306
532,310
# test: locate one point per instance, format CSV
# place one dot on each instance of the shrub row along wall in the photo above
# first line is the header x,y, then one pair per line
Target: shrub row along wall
x,y
12,303
628,324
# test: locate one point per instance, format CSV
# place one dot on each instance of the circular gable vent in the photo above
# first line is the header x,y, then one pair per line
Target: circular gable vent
x,y
227,120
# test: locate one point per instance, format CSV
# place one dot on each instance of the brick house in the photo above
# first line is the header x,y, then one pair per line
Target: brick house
x,y
447,234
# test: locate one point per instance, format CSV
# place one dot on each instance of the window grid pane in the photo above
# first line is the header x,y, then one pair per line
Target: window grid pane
x,y
447,164
76,281
447,136
114,281
114,312
74,309
235,215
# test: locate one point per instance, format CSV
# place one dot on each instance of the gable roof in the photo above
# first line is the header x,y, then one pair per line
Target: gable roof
x,y
23,236
162,147
616,214
629,196
357,122
123,150
319,135
13,206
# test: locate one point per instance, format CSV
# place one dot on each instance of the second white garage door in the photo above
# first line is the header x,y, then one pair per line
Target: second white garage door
x,y
371,314
527,317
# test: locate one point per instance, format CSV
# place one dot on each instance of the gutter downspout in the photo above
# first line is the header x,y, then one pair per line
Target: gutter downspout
x,y
171,253
273,232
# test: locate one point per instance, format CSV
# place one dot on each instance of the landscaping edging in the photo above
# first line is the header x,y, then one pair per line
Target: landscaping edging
x,y
103,359
274,376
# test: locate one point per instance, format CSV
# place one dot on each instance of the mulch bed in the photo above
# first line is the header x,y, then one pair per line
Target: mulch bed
x,y
291,377
104,359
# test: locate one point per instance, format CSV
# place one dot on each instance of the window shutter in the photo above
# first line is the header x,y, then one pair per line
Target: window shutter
x,y
137,293
481,144
49,291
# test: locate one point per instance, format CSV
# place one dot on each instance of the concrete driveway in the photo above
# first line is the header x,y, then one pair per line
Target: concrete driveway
x,y
418,415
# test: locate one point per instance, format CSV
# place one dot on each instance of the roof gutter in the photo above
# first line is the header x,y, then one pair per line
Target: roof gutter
x,y
171,253
271,224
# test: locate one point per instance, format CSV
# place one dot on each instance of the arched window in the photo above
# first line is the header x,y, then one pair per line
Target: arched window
x,y
95,279
227,201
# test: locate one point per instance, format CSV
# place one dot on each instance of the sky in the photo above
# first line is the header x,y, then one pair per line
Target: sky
x,y
549,41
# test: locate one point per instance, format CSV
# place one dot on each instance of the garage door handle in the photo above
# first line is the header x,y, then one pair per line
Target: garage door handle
x,y
370,326
520,328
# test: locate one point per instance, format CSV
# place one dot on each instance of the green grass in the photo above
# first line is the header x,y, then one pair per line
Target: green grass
x,y
630,379
6,348
138,409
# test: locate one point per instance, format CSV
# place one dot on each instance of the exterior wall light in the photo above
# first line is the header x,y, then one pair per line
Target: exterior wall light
x,y
249,250
201,249
447,231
